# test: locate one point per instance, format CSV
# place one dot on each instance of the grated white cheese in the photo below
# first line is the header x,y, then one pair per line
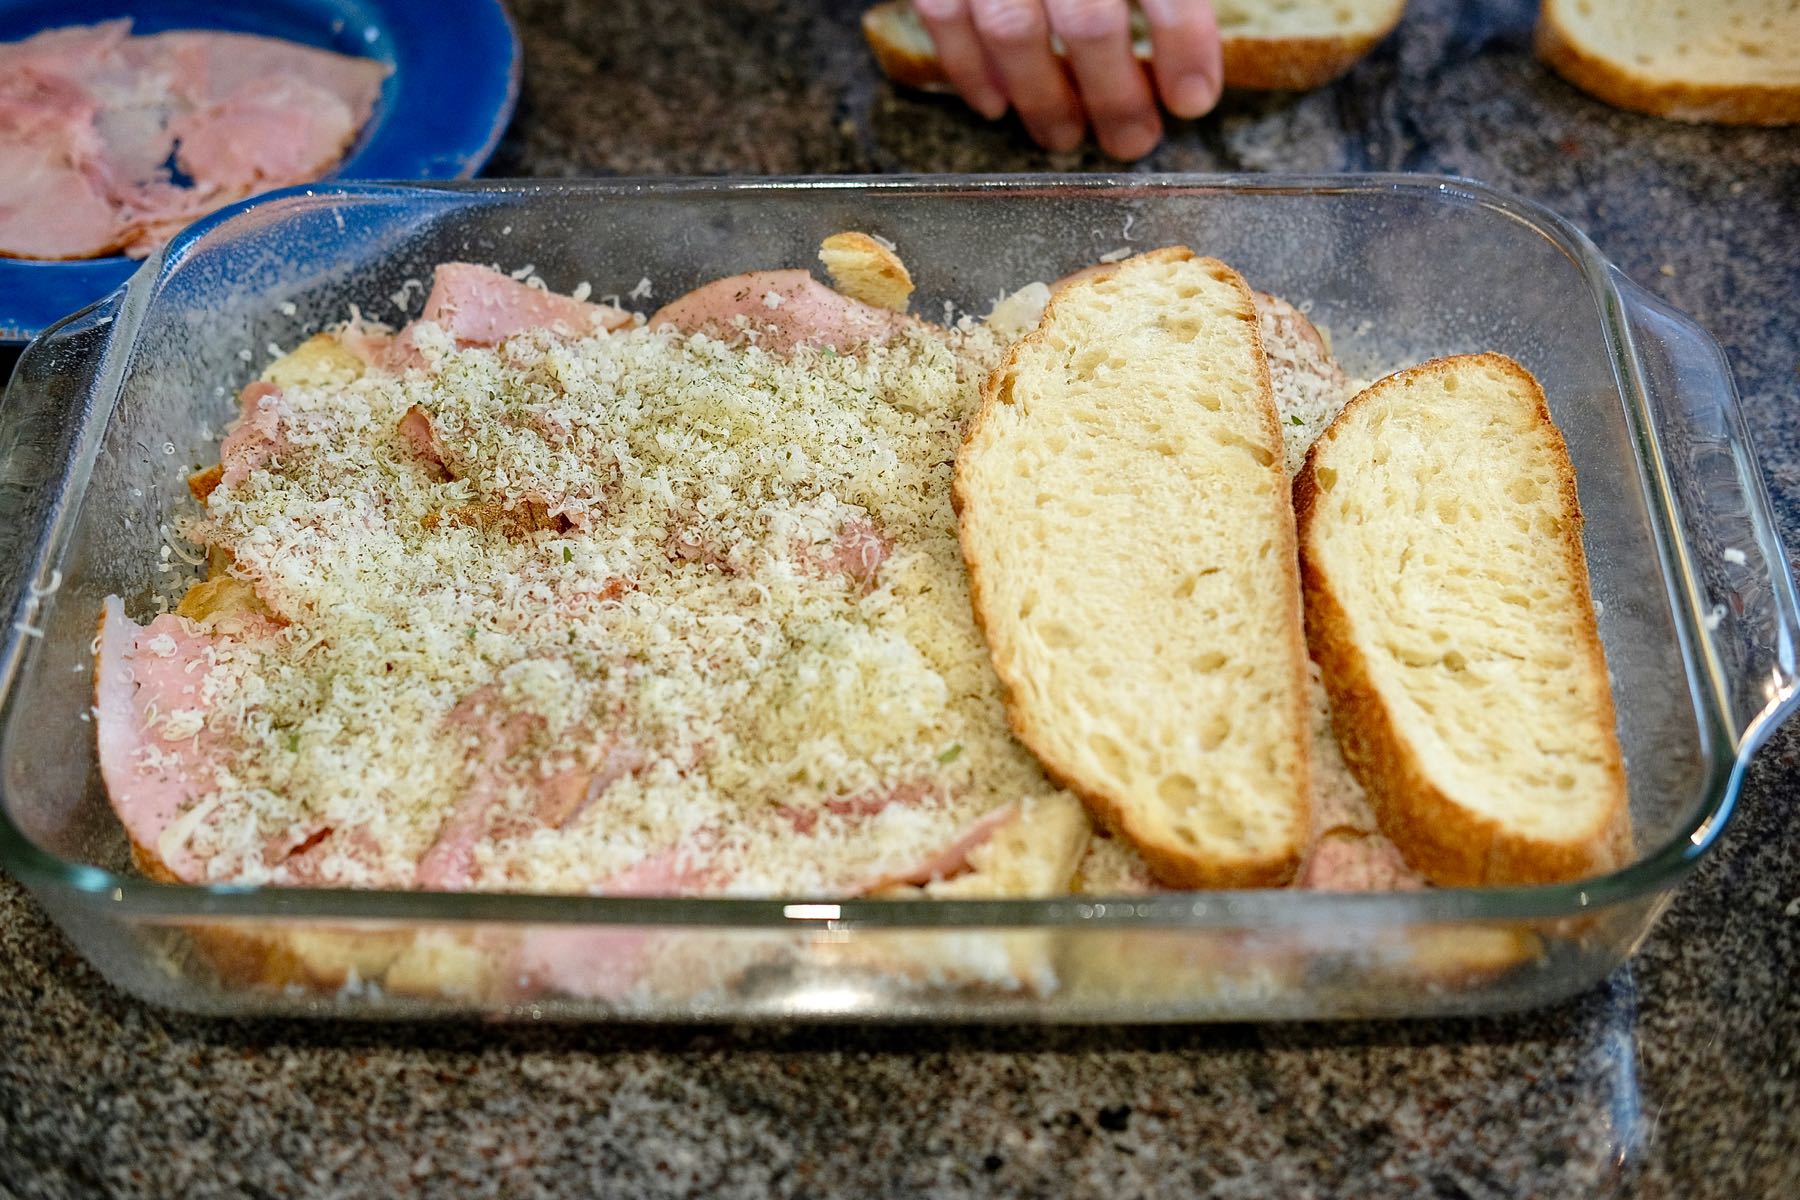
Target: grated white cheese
x,y
649,600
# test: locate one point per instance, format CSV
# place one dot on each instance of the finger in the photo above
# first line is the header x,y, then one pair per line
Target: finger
x,y
1184,46
1097,36
1016,35
959,53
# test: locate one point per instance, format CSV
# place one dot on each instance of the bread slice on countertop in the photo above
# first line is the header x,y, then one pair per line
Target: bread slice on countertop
x,y
1126,522
1447,604
1293,46
1734,62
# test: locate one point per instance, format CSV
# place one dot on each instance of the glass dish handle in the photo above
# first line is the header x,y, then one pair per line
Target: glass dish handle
x,y
52,386
1746,602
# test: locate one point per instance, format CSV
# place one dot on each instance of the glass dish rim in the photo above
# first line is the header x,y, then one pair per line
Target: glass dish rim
x,y
1727,753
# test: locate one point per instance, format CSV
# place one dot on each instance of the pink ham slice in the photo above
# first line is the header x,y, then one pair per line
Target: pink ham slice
x,y
783,309
859,551
494,735
257,438
481,307
211,67
415,427
53,197
74,48
566,795
143,676
605,963
1357,864
51,209
950,861
263,135
89,117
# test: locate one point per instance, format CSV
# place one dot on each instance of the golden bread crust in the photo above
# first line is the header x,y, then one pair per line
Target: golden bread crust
x,y
1172,864
1621,86
1441,839
1286,64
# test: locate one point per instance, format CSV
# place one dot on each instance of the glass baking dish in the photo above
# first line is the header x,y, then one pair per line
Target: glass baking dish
x,y
109,409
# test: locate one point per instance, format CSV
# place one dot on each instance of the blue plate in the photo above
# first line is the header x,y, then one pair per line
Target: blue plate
x,y
455,81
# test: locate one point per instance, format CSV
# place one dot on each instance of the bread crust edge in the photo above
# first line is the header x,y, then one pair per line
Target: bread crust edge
x,y
1440,838
1618,85
1171,865
1281,64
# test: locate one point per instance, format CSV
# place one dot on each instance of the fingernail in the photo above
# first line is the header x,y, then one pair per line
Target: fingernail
x,y
1062,137
1193,96
1133,141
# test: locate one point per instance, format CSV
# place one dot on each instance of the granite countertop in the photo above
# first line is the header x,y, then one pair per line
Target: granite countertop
x,y
1680,1076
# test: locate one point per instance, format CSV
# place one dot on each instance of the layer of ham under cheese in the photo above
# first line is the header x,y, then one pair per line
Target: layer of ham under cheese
x,y
631,612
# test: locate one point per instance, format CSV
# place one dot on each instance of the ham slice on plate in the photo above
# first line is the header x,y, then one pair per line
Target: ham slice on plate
x,y
284,130
784,309
53,197
90,118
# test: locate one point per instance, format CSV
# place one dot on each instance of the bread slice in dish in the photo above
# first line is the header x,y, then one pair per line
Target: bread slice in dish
x,y
1293,46
1126,522
1734,62
1447,605
866,269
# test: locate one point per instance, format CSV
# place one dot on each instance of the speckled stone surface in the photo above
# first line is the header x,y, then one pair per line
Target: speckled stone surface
x,y
1679,1077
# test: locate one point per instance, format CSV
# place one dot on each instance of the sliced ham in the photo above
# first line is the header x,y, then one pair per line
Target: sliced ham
x,y
53,197
494,735
1369,863
783,310
482,307
155,748
949,861
210,68
51,209
74,48
605,963
257,438
415,427
859,551
856,805
567,794
285,129
90,118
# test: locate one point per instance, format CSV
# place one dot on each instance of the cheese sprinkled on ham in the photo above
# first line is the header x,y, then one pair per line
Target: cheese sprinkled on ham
x,y
637,612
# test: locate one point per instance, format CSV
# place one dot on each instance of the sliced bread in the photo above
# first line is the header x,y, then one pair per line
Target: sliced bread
x,y
1734,62
1449,611
1292,46
1126,523
863,268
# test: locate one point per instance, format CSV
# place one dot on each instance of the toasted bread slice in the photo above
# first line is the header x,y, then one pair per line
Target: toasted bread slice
x,y
865,269
1733,62
1449,611
1126,523
1290,47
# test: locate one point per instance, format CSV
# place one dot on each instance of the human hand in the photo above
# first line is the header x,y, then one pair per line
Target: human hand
x,y
998,54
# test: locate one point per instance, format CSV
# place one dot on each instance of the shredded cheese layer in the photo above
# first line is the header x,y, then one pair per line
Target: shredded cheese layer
x,y
679,615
